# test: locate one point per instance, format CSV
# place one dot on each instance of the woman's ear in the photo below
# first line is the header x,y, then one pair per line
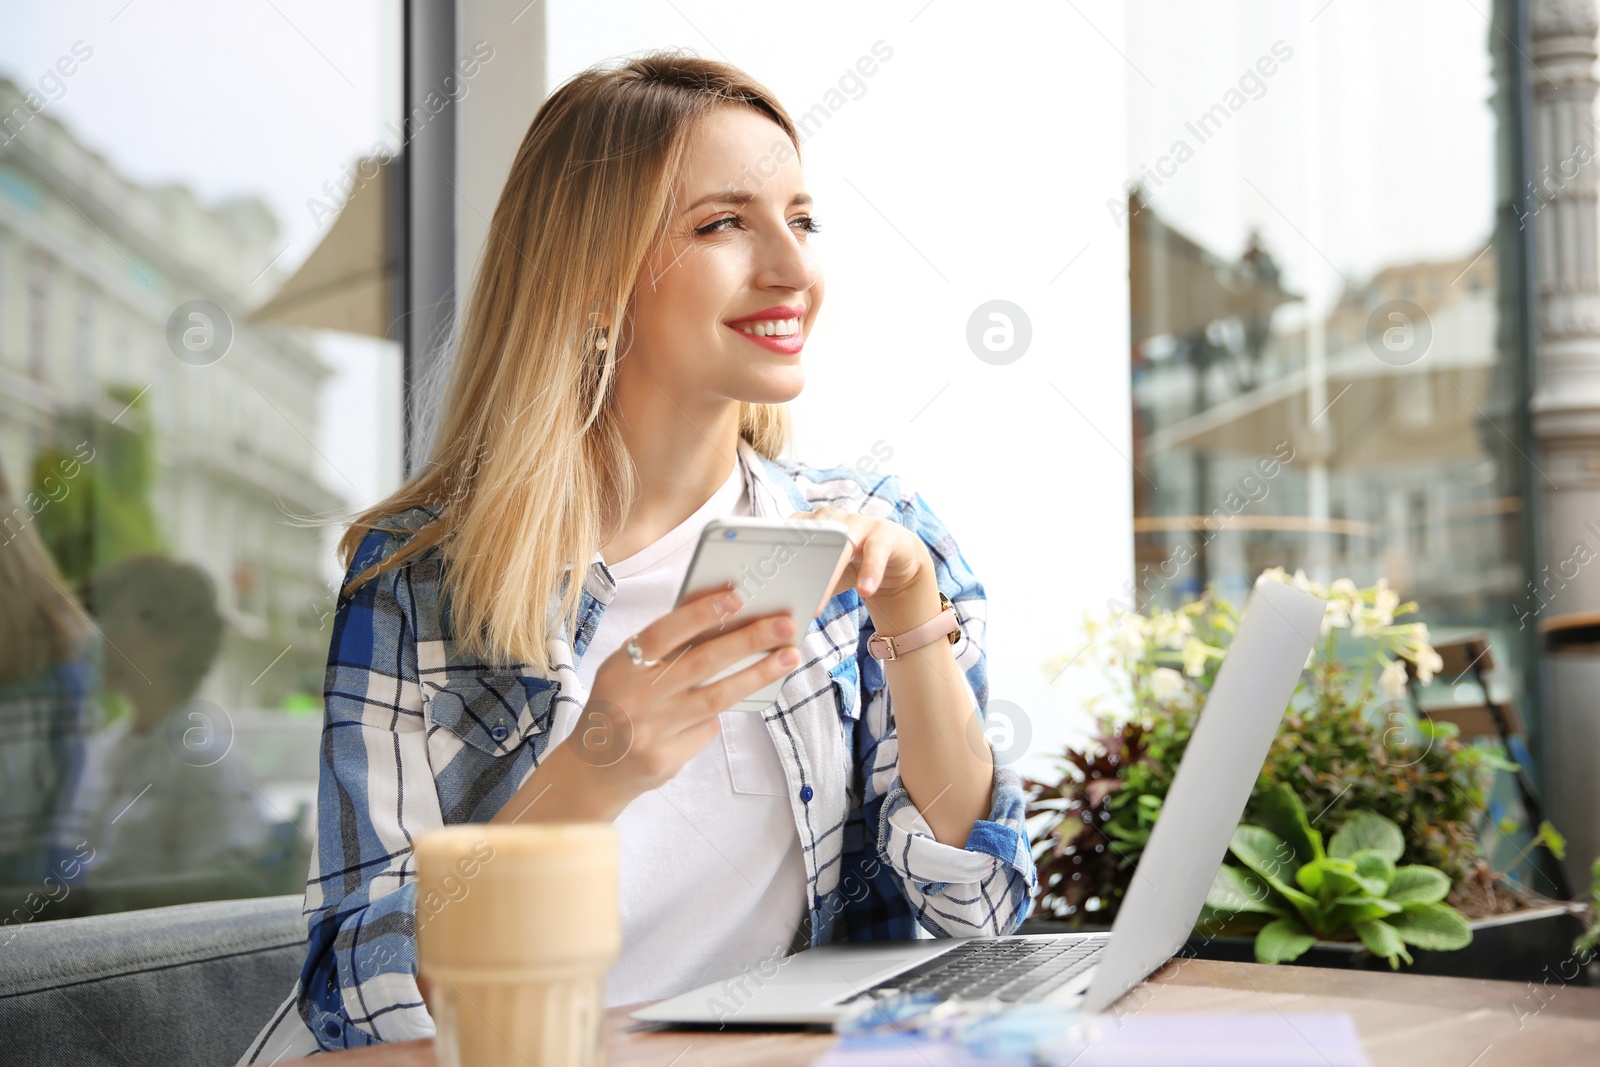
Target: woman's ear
x,y
599,331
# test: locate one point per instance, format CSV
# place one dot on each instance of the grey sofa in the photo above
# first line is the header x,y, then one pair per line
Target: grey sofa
x,y
191,984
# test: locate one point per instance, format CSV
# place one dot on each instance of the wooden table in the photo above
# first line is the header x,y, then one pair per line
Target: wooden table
x,y
1402,1019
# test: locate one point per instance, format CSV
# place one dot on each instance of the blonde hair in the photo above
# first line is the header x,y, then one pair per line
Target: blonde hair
x,y
529,464
40,623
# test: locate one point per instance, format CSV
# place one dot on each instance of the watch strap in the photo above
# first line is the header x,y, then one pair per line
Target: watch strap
x,y
884,647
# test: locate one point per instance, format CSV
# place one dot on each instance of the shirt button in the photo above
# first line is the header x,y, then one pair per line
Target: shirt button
x,y
499,733
805,794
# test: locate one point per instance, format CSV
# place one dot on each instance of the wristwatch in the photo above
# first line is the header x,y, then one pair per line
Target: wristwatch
x,y
881,646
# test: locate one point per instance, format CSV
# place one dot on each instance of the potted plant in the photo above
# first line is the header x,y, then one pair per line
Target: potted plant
x,y
1349,744
1290,892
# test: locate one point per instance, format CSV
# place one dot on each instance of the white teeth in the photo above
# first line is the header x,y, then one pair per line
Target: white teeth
x,y
772,328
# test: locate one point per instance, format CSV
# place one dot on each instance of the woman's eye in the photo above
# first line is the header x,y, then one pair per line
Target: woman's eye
x,y
805,222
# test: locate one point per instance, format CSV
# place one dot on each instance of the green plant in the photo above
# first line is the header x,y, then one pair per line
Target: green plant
x,y
1347,743
300,704
1304,893
1342,757
104,512
1590,938
1082,869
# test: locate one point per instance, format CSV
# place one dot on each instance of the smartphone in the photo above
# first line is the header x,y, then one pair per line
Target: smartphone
x,y
774,565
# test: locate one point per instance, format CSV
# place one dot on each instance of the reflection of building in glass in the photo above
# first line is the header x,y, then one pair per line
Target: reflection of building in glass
x,y
1409,489
91,268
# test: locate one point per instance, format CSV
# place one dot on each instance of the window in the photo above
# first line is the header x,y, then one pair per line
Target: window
x,y
1417,521
84,371
163,428
1332,290
39,291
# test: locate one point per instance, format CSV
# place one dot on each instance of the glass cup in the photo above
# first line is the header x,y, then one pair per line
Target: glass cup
x,y
516,928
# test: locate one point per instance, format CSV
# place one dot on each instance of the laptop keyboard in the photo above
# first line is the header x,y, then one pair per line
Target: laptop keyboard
x,y
1013,969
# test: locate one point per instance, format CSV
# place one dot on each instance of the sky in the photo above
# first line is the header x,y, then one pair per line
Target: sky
x,y
230,99
1371,144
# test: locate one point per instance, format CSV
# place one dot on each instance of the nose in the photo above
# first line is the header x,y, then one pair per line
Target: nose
x,y
786,261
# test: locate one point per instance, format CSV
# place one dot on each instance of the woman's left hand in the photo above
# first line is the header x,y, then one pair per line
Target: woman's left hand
x,y
886,558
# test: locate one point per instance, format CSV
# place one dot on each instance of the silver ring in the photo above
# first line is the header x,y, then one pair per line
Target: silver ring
x,y
636,653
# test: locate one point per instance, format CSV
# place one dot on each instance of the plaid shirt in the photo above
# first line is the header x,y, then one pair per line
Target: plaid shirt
x,y
417,737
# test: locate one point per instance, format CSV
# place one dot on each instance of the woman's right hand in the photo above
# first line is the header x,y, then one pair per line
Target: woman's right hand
x,y
642,724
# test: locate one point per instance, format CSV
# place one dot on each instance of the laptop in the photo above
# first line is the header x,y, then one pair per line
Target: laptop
x,y
1084,972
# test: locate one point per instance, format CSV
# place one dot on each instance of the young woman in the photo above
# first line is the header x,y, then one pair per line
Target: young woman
x,y
635,330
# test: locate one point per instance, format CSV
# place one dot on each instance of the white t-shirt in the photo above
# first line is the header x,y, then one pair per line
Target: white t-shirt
x,y
712,877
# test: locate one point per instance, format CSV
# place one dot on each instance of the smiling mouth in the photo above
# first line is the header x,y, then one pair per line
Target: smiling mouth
x,y
767,327
784,344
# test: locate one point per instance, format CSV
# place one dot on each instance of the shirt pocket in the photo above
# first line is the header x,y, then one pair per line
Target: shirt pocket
x,y
753,765
846,678
493,711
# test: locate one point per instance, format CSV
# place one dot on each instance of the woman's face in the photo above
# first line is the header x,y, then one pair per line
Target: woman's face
x,y
738,246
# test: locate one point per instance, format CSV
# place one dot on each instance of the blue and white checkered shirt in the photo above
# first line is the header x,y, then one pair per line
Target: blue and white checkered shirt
x,y
417,738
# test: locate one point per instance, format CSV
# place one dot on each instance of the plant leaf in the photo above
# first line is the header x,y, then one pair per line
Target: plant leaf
x,y
1138,835
1368,830
1280,812
1418,885
1376,866
1213,923
1263,852
1235,889
1437,729
1347,911
1382,940
1281,941
1498,762
1435,926
1551,838
1310,877
1343,881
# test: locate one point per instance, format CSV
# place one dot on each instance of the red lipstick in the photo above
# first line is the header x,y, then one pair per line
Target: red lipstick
x,y
780,311
787,345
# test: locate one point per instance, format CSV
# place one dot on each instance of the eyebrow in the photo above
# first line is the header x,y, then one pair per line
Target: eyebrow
x,y
741,196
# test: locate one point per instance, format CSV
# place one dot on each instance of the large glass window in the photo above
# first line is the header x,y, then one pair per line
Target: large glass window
x,y
1324,359
194,369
